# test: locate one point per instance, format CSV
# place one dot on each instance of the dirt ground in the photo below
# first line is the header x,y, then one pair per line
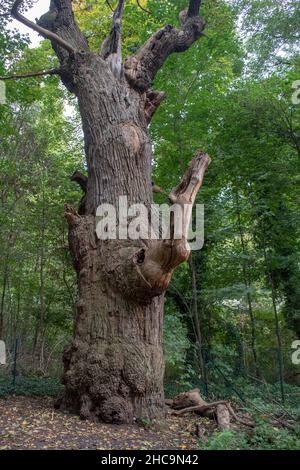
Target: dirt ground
x,y
32,423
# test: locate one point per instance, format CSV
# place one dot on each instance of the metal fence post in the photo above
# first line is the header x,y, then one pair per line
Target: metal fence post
x,y
15,361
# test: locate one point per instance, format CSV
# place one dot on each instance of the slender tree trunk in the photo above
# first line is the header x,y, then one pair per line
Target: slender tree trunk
x,y
6,275
40,322
247,282
18,310
5,279
196,319
277,326
279,342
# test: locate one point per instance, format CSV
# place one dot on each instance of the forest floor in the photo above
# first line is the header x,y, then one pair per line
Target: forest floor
x,y
32,423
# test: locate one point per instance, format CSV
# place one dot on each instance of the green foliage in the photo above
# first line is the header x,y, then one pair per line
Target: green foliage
x,y
264,437
30,387
226,440
271,29
39,151
178,374
176,344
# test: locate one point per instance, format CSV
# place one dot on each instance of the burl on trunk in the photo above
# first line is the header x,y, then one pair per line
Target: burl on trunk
x,y
114,368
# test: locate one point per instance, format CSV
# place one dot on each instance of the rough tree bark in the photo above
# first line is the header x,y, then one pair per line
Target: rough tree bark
x,y
114,368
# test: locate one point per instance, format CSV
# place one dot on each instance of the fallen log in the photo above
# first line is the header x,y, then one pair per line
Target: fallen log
x,y
223,417
192,401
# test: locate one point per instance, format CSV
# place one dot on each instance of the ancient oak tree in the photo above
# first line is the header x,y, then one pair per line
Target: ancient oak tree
x,y
114,368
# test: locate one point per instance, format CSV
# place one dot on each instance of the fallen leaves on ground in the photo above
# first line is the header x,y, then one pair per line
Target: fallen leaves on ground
x,y
32,423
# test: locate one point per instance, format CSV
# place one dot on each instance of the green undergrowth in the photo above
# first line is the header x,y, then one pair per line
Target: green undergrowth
x,y
29,386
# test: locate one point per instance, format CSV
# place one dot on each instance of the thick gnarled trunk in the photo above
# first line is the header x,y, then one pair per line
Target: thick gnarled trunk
x,y
114,368
117,144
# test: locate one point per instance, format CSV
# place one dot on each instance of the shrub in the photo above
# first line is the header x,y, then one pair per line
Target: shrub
x,y
263,437
29,386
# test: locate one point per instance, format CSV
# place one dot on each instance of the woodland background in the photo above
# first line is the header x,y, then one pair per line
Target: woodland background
x,y
233,311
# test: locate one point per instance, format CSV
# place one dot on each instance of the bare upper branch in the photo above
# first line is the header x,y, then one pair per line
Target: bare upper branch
x,y
186,191
39,29
192,180
140,69
61,21
111,48
80,179
31,74
153,101
156,261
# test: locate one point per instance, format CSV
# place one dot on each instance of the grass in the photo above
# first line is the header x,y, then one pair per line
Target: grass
x,y
262,437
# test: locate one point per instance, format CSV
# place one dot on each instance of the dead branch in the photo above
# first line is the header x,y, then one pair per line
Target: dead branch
x,y
191,182
202,407
209,406
156,264
32,74
39,29
111,48
141,68
155,261
185,193
80,179
153,101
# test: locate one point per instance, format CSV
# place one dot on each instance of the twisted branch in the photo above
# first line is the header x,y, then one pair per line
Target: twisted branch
x,y
39,29
155,263
202,408
141,69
